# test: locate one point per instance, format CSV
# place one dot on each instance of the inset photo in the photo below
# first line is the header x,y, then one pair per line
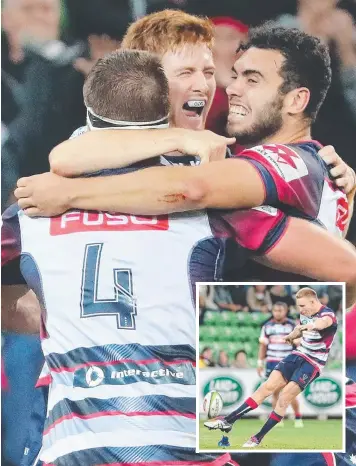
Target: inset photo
x,y
271,367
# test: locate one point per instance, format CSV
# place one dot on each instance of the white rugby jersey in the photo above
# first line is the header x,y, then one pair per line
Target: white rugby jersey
x,y
315,344
273,334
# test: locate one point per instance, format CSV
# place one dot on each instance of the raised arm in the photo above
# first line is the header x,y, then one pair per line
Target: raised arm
x,y
152,191
318,324
307,249
97,150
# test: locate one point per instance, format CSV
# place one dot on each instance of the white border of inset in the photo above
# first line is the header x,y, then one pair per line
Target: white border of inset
x,y
343,370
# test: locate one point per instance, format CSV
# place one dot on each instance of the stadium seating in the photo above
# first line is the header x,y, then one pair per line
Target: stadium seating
x,y
232,332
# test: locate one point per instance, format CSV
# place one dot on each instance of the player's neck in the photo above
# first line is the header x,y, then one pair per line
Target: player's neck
x,y
290,134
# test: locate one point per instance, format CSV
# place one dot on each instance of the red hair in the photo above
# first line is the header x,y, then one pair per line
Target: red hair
x,y
167,30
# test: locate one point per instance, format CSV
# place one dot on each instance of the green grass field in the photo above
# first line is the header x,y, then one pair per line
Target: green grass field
x,y
315,435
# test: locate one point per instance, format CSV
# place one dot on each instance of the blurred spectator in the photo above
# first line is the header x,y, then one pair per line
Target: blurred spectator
x,y
240,361
238,295
324,299
223,299
335,297
280,293
228,33
206,358
223,359
321,18
99,46
45,115
259,299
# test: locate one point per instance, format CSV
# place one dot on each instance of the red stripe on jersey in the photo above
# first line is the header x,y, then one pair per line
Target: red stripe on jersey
x,y
121,361
116,413
329,459
44,381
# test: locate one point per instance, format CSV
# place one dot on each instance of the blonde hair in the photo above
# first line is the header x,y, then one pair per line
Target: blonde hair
x,y
168,30
306,293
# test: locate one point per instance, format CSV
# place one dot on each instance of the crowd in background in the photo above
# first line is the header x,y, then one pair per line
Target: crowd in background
x,y
49,46
260,298
256,299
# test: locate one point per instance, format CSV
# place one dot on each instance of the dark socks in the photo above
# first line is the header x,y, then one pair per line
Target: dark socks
x,y
298,416
247,406
272,421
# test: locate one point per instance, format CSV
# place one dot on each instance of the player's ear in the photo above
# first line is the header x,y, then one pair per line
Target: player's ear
x,y
296,100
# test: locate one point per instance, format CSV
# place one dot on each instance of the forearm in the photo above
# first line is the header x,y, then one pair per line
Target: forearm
x,y
97,150
262,352
134,193
317,324
320,255
297,341
160,190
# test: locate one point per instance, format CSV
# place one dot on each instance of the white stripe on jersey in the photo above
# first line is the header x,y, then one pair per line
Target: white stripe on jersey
x,y
117,438
59,391
312,335
313,346
111,423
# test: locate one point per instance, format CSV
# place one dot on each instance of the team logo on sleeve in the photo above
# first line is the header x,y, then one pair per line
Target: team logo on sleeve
x,y
94,376
287,162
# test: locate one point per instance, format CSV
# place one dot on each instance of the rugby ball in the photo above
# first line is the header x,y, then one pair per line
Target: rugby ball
x,y
212,404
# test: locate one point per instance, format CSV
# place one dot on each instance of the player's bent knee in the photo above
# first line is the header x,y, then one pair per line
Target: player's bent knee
x,y
284,400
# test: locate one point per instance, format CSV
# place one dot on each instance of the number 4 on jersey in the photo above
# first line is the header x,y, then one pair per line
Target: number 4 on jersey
x,y
122,304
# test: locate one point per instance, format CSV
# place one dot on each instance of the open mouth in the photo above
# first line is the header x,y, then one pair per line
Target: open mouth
x,y
194,107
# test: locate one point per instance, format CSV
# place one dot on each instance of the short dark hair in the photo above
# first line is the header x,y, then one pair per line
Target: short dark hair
x,y
307,61
240,351
282,304
128,85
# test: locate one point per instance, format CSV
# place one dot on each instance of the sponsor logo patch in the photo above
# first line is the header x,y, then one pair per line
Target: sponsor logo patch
x,y
84,221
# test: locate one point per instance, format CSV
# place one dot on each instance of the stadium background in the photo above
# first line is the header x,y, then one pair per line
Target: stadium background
x,y
45,58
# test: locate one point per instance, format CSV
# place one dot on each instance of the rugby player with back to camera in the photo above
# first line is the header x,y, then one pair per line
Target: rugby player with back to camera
x,y
314,337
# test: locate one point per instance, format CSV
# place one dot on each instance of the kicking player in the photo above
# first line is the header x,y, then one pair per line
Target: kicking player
x,y
296,371
273,348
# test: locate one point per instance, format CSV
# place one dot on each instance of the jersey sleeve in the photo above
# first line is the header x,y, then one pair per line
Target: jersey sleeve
x,y
11,248
283,171
328,313
257,230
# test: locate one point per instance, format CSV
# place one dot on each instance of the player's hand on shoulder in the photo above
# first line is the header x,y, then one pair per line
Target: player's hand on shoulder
x,y
44,195
205,144
344,175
